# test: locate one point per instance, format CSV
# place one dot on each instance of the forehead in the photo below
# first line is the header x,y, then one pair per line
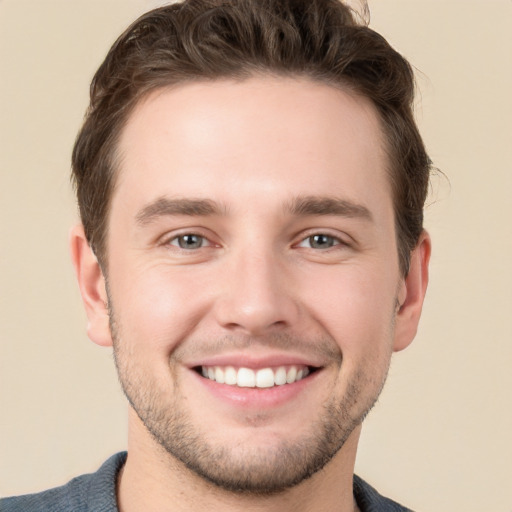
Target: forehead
x,y
264,134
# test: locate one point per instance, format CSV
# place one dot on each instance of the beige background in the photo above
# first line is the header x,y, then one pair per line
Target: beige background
x,y
441,437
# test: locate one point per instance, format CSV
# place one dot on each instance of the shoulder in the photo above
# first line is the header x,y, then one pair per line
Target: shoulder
x,y
369,500
86,493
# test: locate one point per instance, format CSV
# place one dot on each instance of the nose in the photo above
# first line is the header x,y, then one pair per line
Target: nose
x,y
257,295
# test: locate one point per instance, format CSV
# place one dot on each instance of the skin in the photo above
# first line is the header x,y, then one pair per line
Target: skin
x,y
254,170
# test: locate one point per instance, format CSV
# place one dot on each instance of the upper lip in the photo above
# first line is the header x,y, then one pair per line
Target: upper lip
x,y
248,360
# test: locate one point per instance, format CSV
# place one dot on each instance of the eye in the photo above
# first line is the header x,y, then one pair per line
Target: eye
x,y
320,241
189,241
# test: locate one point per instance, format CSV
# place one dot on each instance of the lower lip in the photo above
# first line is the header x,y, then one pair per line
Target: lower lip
x,y
261,398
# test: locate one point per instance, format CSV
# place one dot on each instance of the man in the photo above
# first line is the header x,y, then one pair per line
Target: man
x,y
251,184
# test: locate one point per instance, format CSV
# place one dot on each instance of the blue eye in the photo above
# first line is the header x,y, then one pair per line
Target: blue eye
x,y
319,241
189,241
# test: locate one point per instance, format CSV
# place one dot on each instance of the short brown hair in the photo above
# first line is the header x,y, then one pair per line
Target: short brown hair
x,y
214,39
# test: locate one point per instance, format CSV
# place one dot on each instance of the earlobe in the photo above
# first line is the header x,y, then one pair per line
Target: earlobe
x,y
412,293
92,287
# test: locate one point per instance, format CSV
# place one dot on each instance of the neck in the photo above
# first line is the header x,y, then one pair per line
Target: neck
x,y
153,480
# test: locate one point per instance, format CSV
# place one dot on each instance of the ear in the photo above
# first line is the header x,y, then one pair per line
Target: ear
x,y
92,287
411,294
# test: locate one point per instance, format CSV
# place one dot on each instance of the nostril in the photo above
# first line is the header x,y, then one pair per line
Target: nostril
x,y
254,305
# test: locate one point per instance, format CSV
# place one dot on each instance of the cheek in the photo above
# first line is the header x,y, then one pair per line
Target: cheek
x,y
356,307
157,307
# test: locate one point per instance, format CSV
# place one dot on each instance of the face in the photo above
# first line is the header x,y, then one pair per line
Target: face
x,y
253,279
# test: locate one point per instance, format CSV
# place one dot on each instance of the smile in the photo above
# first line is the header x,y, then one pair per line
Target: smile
x,y
261,378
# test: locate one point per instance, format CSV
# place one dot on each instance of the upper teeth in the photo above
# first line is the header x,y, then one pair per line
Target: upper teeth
x,y
249,378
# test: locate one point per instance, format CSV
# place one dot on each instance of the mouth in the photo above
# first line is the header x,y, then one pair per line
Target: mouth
x,y
267,377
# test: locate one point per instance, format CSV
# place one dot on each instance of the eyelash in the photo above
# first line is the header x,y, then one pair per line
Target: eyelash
x,y
330,241
177,239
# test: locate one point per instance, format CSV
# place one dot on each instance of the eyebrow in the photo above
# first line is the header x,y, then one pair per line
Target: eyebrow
x,y
164,206
300,206
327,205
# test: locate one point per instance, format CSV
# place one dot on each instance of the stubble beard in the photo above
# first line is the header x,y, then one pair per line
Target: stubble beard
x,y
242,469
